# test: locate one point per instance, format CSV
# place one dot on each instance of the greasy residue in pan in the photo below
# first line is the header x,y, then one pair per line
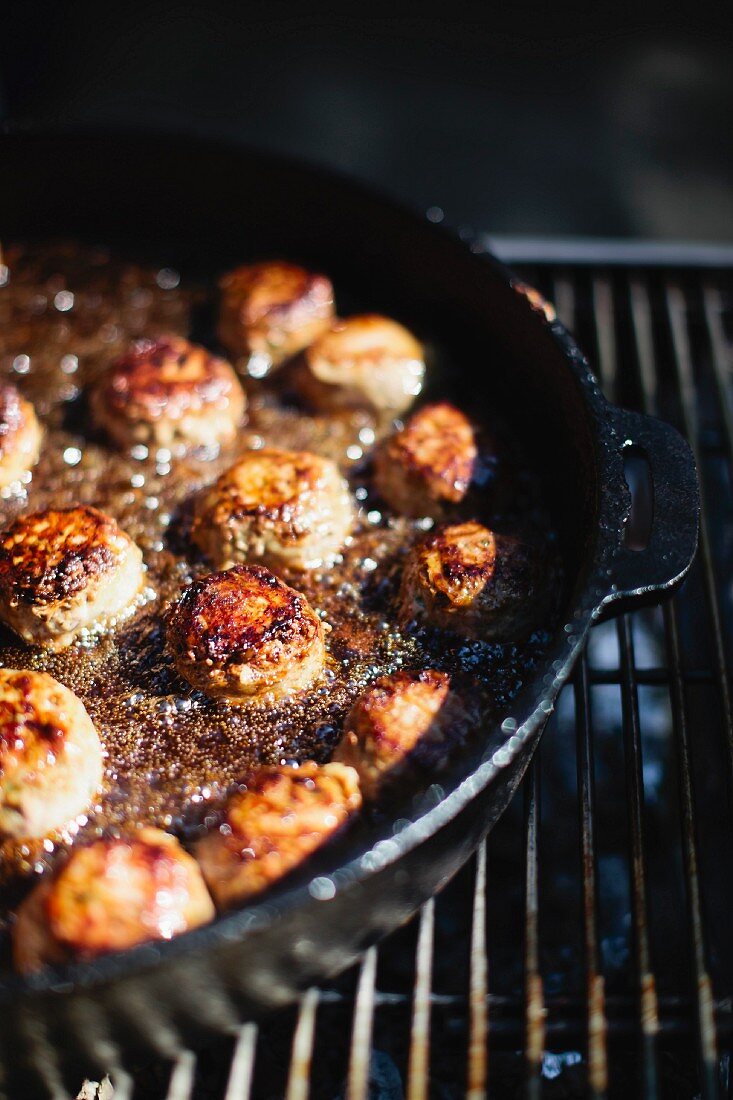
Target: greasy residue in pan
x,y
65,312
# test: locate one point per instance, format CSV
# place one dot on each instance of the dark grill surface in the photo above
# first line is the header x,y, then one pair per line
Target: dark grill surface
x,y
587,948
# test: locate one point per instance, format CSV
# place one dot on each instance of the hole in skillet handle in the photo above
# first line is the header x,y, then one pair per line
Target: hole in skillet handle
x,y
660,533
638,476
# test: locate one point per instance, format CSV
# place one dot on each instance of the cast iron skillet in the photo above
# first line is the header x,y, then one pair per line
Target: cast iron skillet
x,y
192,203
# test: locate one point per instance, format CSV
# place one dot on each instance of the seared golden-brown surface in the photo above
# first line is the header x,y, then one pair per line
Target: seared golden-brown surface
x,y
63,571
284,507
367,361
272,310
243,634
50,755
279,817
20,435
169,392
466,579
111,894
402,729
427,467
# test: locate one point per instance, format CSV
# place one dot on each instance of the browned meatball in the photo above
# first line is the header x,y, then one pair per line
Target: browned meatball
x,y
284,507
403,728
279,817
427,467
244,635
271,311
20,435
466,579
167,393
64,571
110,895
362,362
50,755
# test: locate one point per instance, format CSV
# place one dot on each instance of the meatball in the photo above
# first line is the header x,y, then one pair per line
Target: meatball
x,y
50,755
111,894
366,361
427,467
20,435
285,507
403,728
278,817
466,579
64,571
244,635
271,311
169,393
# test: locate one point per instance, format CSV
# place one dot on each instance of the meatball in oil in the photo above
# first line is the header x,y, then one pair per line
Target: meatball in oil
x,y
169,393
426,468
363,362
285,508
466,579
110,895
50,755
278,817
270,311
401,730
246,636
65,571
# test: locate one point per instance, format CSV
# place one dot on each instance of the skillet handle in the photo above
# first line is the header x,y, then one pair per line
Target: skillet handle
x,y
643,576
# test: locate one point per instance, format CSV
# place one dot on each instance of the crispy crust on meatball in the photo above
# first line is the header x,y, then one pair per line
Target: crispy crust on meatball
x,y
284,507
50,755
64,570
465,579
20,435
278,818
272,310
167,392
403,728
427,467
244,635
364,361
111,894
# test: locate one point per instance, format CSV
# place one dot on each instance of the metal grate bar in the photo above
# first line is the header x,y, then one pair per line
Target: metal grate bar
x,y
596,1015
603,316
361,1036
604,323
535,1011
239,1084
703,989
300,1062
722,357
182,1077
703,992
597,1023
635,793
564,300
122,1086
418,1071
703,985
478,1032
682,362
654,677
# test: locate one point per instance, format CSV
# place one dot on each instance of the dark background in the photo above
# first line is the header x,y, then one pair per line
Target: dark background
x,y
597,119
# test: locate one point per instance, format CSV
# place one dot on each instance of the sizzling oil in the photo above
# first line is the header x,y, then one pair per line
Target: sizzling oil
x,y
65,312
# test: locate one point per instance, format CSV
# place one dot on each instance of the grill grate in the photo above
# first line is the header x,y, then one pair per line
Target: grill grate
x,y
586,951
